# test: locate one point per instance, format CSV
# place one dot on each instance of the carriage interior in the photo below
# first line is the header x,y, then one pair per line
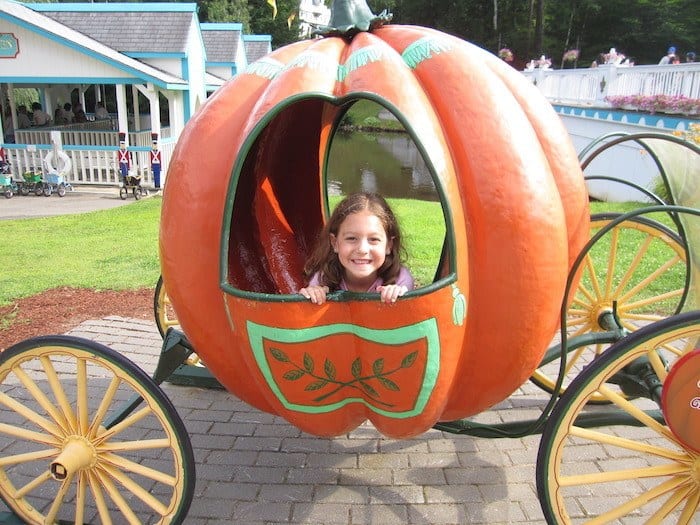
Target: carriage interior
x,y
279,201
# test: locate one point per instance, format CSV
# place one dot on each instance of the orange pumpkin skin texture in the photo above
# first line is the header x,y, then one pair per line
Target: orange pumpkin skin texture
x,y
517,217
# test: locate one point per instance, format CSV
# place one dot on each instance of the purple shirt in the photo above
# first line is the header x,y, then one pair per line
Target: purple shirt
x,y
403,279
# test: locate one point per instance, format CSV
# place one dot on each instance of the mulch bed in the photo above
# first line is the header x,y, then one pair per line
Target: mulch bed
x,y
59,310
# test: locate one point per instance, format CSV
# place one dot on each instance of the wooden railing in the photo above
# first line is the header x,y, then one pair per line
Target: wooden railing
x,y
591,86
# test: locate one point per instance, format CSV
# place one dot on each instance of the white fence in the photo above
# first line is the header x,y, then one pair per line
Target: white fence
x,y
590,86
92,153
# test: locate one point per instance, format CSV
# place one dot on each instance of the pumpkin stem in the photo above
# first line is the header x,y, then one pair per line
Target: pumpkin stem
x,y
349,17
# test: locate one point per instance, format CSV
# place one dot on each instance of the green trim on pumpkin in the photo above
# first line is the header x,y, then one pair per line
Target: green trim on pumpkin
x,y
358,59
423,49
265,68
394,340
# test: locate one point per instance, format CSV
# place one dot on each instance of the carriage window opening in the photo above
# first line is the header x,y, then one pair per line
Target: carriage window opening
x,y
278,206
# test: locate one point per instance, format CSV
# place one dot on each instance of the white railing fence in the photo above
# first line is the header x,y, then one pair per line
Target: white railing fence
x,y
91,164
590,86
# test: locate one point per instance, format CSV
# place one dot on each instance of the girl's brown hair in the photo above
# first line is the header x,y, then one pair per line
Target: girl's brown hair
x,y
324,260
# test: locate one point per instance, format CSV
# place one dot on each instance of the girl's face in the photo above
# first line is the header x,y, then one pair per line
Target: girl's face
x,y
362,247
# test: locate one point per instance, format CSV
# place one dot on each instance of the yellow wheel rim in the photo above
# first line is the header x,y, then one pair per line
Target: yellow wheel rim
x,y
628,278
616,472
61,458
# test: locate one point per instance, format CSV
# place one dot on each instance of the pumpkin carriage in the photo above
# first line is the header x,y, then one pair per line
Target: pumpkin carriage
x,y
517,230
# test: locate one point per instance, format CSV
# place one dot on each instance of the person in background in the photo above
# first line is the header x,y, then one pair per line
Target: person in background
x,y
690,57
68,112
666,59
39,116
101,112
79,114
23,121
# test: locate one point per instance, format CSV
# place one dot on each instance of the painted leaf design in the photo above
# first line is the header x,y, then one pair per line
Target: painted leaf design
x,y
293,375
378,366
308,363
316,385
329,368
356,368
369,389
389,384
409,360
279,355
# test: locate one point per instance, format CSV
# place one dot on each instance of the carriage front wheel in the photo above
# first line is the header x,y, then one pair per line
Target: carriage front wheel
x,y
72,454
623,461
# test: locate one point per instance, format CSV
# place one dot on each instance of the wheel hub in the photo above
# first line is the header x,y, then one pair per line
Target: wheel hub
x,y
78,453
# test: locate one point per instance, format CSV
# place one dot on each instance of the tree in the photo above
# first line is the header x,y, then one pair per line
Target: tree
x,y
224,11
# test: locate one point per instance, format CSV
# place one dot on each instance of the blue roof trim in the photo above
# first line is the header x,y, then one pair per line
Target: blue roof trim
x,y
145,54
221,26
89,7
221,64
258,38
85,50
656,120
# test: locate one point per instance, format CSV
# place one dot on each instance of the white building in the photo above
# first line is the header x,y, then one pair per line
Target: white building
x,y
155,60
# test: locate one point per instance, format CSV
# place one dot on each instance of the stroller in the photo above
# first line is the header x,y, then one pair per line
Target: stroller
x,y
9,186
54,181
33,182
131,184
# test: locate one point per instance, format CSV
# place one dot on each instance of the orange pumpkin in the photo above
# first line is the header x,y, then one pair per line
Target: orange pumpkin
x,y
245,199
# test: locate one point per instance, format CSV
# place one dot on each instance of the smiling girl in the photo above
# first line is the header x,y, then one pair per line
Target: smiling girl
x,y
358,250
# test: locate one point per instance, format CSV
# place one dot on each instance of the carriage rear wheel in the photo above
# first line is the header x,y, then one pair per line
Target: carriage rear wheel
x,y
61,190
166,317
71,454
39,190
647,282
8,193
137,193
634,467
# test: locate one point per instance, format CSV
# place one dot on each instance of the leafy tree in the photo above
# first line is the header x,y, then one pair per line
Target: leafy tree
x,y
224,11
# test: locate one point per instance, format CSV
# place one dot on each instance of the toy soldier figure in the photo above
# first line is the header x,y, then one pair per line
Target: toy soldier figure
x,y
123,157
155,160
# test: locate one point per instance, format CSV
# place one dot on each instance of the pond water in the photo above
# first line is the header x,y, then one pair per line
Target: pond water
x,y
386,163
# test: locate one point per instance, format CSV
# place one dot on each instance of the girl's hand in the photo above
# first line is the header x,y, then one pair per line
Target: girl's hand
x,y
390,292
317,294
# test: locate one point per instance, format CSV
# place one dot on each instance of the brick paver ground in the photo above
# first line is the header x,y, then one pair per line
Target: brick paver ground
x,y
254,468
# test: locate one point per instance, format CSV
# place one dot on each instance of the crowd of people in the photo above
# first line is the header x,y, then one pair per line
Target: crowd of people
x,y
671,57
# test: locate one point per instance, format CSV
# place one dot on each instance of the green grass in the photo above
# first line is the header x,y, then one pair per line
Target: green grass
x,y
118,248
107,250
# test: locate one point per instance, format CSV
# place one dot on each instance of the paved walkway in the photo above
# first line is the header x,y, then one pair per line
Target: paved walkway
x,y
255,468
82,199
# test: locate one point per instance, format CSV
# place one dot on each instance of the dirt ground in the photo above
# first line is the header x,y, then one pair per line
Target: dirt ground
x,y
59,310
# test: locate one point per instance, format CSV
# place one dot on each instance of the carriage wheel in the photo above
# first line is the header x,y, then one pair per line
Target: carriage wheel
x,y
61,190
166,317
8,193
123,192
39,190
67,455
630,278
137,193
642,472
163,309
23,190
